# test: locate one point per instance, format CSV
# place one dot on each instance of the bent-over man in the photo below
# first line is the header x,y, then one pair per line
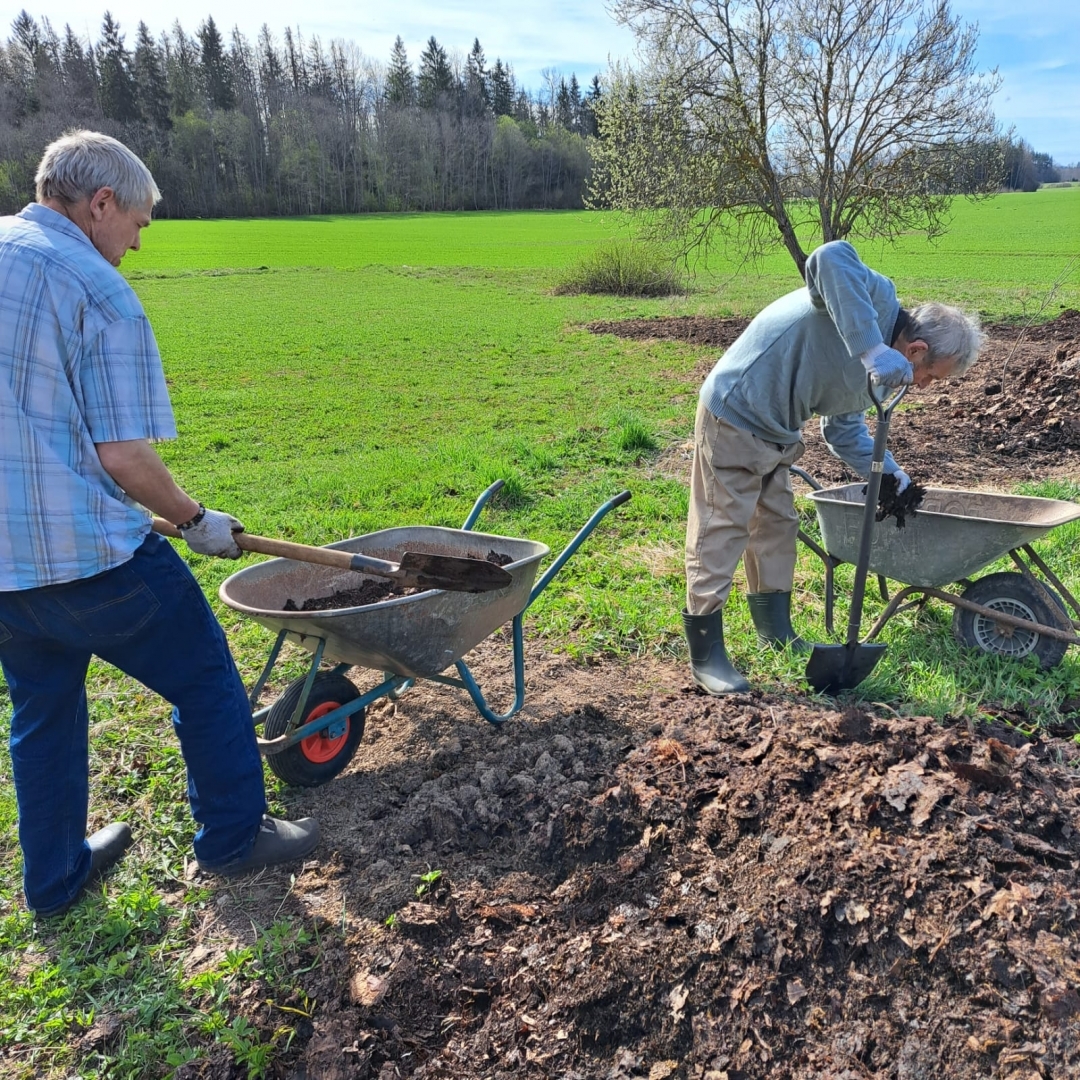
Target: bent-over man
x,y
806,354
82,393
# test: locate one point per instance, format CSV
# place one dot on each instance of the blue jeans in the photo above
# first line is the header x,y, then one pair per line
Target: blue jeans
x,y
149,618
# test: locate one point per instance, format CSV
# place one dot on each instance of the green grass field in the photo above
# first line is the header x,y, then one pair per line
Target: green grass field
x,y
335,376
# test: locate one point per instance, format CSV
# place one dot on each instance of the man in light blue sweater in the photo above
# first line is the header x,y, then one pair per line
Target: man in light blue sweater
x,y
806,354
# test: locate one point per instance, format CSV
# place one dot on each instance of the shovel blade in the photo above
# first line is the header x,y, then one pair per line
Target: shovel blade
x,y
833,668
451,572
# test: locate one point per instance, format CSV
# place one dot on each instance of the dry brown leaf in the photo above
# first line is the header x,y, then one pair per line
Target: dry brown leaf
x,y
677,1001
758,750
367,989
795,991
662,1070
992,778
902,782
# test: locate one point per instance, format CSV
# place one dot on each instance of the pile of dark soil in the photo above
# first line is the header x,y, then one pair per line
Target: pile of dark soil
x,y
693,329
644,882
372,591
1014,416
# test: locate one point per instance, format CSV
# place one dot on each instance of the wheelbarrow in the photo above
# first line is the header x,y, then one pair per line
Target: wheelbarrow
x,y
951,537
313,729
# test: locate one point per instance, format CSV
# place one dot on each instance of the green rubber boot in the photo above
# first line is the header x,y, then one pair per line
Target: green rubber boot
x,y
709,663
771,612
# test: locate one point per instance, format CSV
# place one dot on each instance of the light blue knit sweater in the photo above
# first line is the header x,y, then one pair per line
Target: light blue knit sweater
x,y
800,358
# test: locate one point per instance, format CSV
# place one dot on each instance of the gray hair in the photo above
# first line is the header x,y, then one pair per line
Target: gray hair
x,y
947,331
82,162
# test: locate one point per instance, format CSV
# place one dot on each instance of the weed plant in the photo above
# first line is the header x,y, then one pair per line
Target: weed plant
x,y
623,267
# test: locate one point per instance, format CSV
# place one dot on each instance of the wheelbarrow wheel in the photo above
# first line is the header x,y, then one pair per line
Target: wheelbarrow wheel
x,y
320,756
1011,594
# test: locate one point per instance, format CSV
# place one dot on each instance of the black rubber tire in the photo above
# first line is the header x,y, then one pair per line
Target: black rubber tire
x,y
295,765
1012,594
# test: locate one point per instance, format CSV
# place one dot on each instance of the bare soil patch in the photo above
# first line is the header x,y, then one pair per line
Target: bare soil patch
x,y
1015,416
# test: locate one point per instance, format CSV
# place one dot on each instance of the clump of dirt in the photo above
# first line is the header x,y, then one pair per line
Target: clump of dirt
x,y
370,592
499,558
1014,416
899,506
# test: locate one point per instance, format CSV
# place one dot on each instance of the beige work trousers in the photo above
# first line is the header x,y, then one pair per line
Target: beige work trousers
x,y
740,502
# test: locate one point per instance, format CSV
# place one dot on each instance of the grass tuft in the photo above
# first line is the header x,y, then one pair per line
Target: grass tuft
x,y
631,435
623,268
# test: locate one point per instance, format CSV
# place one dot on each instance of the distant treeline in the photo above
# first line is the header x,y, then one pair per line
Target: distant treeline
x,y
294,126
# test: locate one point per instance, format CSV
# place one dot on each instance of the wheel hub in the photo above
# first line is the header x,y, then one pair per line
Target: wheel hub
x,y
1011,641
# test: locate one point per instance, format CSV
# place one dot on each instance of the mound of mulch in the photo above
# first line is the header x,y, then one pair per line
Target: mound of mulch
x,y
758,889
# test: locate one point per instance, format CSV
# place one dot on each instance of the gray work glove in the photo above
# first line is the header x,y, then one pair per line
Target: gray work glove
x,y
890,368
902,481
212,534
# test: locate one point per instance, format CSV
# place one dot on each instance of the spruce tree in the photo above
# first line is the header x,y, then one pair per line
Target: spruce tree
x,y
400,86
502,89
217,74
435,75
151,86
118,100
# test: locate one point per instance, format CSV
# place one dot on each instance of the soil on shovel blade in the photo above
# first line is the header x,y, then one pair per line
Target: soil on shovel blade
x,y
375,591
898,506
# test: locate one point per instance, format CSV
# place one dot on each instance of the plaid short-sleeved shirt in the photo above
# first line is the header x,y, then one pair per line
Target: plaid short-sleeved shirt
x,y
78,366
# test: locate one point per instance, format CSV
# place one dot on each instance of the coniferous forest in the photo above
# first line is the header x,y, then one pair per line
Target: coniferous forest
x,y
289,124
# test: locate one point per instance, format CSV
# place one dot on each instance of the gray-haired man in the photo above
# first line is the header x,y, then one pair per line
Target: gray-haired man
x,y
82,393
806,354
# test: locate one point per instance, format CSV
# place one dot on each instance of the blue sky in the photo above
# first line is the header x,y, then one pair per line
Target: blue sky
x,y
1034,43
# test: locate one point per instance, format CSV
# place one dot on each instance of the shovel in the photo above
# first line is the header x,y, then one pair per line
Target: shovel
x,y
450,572
833,668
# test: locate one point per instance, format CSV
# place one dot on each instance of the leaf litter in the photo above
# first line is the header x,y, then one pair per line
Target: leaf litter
x,y
640,881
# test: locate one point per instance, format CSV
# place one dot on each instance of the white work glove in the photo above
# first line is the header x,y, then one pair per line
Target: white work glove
x,y
212,534
902,481
887,367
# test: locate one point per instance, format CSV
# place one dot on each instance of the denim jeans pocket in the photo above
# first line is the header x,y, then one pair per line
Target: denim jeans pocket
x,y
111,606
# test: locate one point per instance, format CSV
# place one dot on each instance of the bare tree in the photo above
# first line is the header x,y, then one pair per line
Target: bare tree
x,y
771,119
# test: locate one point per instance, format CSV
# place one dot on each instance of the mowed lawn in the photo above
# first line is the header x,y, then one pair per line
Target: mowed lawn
x,y
332,376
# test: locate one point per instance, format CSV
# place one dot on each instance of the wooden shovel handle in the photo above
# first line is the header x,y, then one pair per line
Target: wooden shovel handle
x,y
264,545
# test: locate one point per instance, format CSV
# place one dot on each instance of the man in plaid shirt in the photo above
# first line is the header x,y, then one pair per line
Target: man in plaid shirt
x,y
82,394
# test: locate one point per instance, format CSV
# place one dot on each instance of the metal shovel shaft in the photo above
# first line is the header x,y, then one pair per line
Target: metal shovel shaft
x,y
842,667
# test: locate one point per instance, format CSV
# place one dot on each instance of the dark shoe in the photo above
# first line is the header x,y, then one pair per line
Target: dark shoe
x,y
106,847
709,663
277,842
771,612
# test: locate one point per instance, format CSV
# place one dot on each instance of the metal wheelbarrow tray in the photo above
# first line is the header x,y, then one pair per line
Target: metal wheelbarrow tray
x,y
951,537
311,732
418,635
